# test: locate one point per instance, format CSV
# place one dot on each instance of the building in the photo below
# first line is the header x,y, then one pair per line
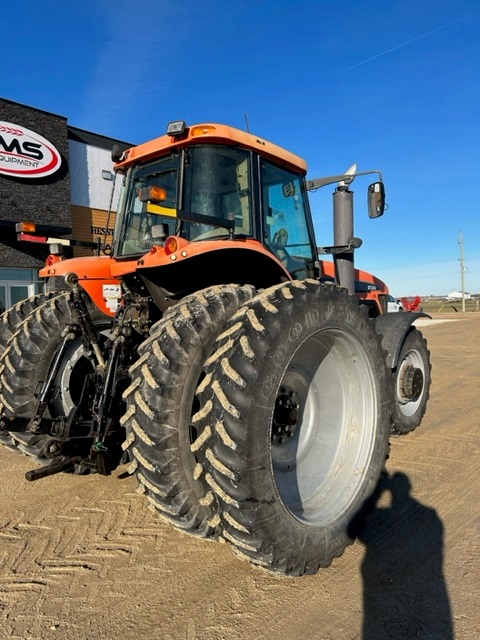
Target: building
x,y
457,295
57,176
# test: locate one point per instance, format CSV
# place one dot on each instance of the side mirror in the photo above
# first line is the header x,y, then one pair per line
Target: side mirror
x,y
160,232
117,153
376,199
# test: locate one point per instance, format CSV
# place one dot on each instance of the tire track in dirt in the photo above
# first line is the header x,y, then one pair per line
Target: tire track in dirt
x,y
57,541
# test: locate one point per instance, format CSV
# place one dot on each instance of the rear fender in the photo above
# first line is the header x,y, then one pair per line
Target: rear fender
x,y
393,328
229,264
94,276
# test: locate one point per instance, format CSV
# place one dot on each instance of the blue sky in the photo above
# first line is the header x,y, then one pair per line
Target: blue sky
x,y
389,85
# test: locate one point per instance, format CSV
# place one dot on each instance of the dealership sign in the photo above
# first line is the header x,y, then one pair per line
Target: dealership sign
x,y
26,154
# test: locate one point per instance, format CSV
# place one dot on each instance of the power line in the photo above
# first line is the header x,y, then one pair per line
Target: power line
x,y
416,264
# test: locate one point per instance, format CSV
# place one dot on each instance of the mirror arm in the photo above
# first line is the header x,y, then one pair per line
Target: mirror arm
x,y
312,185
355,243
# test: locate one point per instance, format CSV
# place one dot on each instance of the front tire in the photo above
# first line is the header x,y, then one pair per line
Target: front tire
x,y
298,392
410,383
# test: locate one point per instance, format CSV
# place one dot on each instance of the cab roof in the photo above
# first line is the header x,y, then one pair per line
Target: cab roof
x,y
211,133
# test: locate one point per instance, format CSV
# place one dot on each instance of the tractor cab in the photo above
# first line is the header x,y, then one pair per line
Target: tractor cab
x,y
213,183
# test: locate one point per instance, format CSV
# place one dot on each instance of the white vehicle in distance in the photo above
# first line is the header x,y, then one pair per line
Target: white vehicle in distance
x,y
394,305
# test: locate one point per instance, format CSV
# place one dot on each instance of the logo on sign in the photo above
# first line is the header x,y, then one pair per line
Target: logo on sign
x,y
26,154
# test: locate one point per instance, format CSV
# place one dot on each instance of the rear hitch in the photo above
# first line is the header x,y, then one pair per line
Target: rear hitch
x,y
87,439
10,424
52,469
84,318
100,454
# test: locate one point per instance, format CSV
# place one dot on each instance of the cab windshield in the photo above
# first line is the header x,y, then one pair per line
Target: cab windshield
x,y
162,200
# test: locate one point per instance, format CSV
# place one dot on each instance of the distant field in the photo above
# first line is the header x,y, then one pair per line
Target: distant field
x,y
449,306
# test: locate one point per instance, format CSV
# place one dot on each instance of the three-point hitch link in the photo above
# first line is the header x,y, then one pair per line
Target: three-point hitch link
x,y
79,437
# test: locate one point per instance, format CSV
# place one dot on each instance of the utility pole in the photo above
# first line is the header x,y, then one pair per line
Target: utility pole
x,y
462,268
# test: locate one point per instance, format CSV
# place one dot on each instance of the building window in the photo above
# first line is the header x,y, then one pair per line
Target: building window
x,y
18,284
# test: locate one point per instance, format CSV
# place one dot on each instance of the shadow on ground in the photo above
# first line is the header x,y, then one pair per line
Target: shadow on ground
x,y
404,591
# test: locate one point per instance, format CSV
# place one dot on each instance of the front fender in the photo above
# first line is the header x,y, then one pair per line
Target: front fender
x,y
393,327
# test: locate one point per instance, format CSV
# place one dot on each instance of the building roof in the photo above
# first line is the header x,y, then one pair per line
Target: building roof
x,y
79,135
95,139
27,106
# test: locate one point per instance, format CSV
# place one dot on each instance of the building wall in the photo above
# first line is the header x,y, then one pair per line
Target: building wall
x,y
90,224
72,201
41,200
91,174
92,180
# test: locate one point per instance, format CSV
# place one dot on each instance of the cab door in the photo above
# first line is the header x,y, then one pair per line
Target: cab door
x,y
286,220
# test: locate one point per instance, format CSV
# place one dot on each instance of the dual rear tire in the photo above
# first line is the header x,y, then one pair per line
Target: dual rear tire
x,y
296,403
10,323
161,438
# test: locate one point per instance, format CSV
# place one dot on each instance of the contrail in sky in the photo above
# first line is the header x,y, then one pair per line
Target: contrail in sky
x,y
404,44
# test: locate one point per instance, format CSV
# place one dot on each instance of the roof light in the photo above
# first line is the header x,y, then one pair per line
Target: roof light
x,y
202,130
176,128
152,194
25,227
171,245
56,249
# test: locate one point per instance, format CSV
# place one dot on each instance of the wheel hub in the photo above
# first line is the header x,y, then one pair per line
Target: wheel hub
x,y
286,416
411,383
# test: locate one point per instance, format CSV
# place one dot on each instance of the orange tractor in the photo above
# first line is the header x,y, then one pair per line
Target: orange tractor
x,y
251,386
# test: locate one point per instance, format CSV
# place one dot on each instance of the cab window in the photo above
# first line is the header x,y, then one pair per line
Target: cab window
x,y
285,215
143,211
217,183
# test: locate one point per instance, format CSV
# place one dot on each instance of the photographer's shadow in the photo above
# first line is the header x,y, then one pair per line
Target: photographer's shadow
x,y
404,590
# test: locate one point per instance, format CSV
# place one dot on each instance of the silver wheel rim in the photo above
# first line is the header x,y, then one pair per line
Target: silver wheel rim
x,y
412,359
321,467
70,377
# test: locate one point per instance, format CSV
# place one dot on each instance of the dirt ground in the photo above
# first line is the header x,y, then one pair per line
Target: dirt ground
x,y
85,558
